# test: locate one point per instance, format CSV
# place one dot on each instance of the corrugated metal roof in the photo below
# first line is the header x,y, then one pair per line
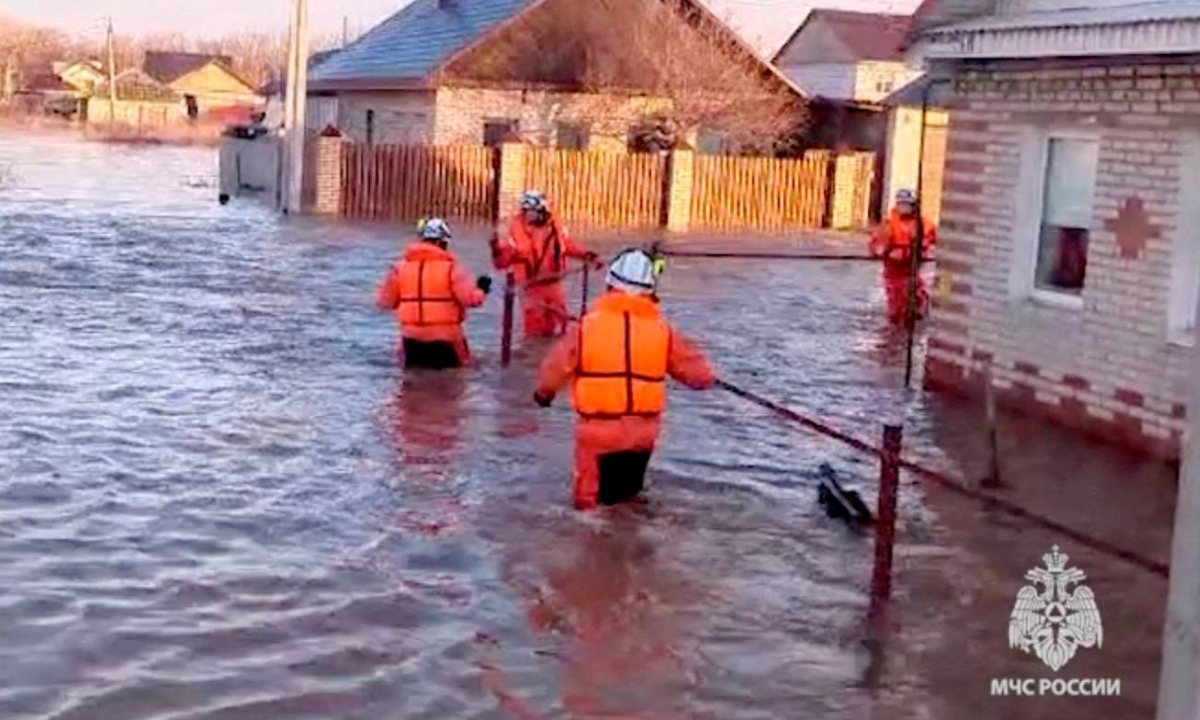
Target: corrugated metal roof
x,y
1143,12
415,42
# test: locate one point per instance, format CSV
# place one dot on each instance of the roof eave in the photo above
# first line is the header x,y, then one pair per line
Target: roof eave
x,y
363,84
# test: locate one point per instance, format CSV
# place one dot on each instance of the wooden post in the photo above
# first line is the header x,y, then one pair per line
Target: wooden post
x,y
885,524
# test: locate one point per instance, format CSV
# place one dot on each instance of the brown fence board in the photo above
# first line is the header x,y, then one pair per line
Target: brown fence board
x,y
405,182
598,188
760,193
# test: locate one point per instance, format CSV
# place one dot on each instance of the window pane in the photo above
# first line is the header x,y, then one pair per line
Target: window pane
x,y
1066,215
1062,259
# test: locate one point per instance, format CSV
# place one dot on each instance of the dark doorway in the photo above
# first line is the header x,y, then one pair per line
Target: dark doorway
x,y
497,132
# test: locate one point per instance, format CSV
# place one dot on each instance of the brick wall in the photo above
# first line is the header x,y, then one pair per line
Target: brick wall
x,y
403,117
462,112
1108,366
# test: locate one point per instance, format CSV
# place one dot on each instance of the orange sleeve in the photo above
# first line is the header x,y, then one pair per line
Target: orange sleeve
x,y
571,248
388,296
879,240
559,365
687,364
464,288
502,251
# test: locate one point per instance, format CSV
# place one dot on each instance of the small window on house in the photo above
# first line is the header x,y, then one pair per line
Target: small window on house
x,y
1069,185
571,136
496,132
370,126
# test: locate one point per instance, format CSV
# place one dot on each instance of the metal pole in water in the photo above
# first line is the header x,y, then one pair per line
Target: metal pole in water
x,y
506,330
885,525
583,303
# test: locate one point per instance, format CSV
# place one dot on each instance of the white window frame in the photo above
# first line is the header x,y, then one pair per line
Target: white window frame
x,y
1031,201
1183,300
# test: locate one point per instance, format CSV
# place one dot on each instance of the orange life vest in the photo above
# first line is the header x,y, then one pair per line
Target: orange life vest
x,y
898,238
547,259
623,354
427,291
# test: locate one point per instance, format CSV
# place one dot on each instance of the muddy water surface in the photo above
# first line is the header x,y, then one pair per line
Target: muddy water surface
x,y
219,497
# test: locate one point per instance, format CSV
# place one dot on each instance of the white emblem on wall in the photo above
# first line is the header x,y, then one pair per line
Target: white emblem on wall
x,y
1055,615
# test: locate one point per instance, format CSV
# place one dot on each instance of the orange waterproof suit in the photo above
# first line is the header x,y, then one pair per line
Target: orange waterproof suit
x,y
429,290
618,359
895,241
538,256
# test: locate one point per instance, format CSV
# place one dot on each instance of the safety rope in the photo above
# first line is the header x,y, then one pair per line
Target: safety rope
x,y
954,485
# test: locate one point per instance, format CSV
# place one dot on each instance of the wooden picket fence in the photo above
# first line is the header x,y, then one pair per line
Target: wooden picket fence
x,y
760,193
599,188
403,182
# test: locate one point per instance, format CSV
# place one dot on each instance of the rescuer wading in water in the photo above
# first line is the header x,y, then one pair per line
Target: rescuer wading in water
x,y
430,291
617,360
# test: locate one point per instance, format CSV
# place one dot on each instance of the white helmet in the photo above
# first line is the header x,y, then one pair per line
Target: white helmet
x,y
533,200
633,272
906,197
435,229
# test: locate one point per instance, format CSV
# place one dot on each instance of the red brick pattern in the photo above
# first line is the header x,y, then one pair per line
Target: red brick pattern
x,y
1105,368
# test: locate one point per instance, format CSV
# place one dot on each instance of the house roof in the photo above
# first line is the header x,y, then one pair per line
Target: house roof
x,y
416,41
409,47
167,67
1157,27
863,36
136,84
48,82
1137,12
934,13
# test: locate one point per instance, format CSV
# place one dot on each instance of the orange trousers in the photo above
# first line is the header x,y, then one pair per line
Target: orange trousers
x,y
595,437
895,286
545,310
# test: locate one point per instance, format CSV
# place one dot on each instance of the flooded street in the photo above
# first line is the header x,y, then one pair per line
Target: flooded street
x,y
221,499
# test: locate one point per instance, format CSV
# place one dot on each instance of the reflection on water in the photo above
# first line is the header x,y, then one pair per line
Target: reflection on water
x,y
220,498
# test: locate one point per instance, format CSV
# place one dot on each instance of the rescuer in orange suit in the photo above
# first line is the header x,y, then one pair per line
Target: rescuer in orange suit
x,y
895,241
537,250
617,359
430,290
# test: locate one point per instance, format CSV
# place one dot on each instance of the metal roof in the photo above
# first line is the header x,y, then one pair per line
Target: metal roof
x,y
1132,13
415,42
864,36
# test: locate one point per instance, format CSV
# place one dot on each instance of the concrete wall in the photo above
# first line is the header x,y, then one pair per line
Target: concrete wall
x,y
462,113
1110,363
404,117
249,166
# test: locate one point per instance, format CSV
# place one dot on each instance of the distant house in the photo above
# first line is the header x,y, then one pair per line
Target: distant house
x,y
83,76
840,55
206,83
483,71
1071,220
141,102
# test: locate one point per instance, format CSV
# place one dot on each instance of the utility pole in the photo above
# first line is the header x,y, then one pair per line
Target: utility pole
x,y
112,77
1177,695
294,107
345,30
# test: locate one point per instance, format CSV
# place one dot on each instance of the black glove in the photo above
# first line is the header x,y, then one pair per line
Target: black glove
x,y
484,283
543,400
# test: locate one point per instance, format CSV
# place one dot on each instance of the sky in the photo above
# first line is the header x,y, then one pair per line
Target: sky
x,y
766,23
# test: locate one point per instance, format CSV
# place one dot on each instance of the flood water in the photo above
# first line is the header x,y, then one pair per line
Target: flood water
x,y
221,499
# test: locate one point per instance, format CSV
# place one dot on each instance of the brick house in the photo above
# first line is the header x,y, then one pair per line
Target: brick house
x,y
1071,217
460,72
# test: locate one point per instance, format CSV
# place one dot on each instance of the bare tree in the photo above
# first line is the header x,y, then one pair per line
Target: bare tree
x,y
664,49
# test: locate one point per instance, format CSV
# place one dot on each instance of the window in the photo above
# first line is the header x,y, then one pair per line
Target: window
x,y
370,126
497,132
1068,186
885,86
571,136
1185,253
